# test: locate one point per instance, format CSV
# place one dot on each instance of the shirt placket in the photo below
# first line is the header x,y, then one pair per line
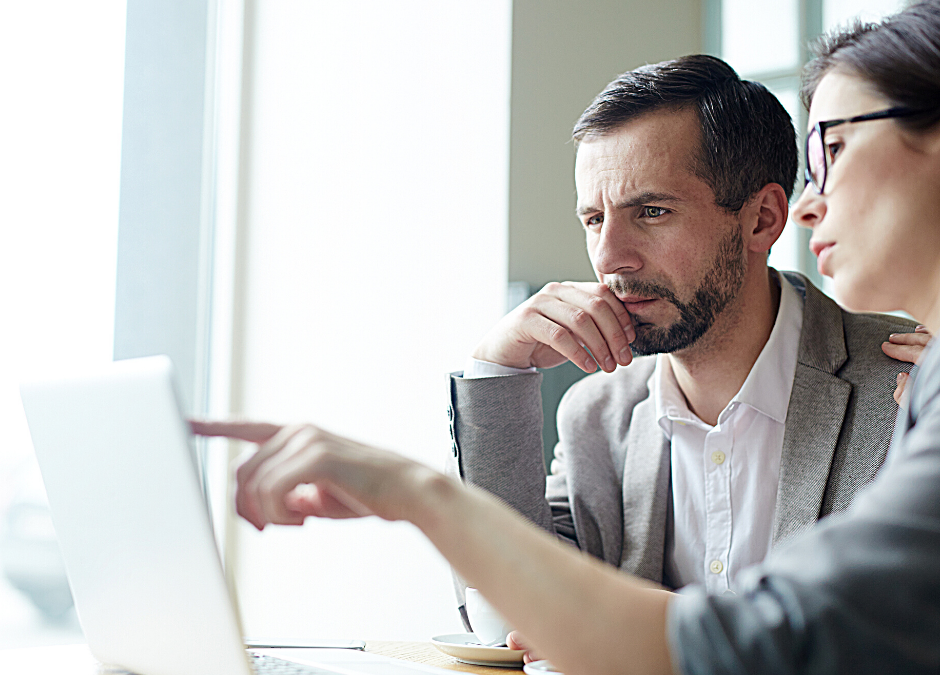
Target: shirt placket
x,y
717,467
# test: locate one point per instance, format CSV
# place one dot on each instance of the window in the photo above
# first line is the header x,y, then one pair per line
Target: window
x,y
768,41
61,65
373,238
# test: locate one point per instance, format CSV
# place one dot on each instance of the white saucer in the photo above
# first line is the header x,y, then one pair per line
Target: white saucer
x,y
539,668
465,647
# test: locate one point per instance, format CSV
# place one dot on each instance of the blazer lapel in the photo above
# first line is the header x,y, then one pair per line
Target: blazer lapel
x,y
815,415
646,477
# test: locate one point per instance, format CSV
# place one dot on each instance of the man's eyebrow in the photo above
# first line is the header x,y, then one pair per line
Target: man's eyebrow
x,y
639,200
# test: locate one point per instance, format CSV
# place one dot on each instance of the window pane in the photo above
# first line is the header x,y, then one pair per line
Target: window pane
x,y
840,12
61,67
747,43
376,239
787,253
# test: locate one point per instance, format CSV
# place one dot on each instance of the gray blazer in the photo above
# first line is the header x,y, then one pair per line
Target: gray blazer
x,y
608,492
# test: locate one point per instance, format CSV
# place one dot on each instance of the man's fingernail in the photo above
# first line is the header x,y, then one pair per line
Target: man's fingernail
x,y
625,355
609,363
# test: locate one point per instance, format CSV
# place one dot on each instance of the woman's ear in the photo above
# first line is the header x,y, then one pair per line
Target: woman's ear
x,y
764,217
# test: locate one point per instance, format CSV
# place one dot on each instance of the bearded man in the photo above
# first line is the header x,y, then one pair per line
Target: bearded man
x,y
754,404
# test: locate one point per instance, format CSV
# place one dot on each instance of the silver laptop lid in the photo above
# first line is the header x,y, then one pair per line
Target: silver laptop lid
x,y
114,452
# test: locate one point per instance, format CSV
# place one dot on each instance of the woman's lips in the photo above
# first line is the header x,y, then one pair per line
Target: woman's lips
x,y
822,249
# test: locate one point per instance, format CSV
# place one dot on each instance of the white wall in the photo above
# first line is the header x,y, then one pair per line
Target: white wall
x,y
373,257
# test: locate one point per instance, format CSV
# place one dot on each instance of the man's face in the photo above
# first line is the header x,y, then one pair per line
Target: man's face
x,y
654,233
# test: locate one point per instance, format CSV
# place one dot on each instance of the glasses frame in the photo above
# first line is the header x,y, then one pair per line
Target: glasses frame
x,y
820,129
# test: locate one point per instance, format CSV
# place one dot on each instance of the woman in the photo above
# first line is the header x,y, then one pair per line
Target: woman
x,y
861,591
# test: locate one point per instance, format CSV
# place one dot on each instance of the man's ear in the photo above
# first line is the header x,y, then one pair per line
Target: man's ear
x,y
764,217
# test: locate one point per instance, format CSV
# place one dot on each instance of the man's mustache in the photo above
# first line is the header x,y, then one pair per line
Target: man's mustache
x,y
642,289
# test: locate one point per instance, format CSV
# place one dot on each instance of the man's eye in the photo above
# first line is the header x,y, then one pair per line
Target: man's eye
x,y
594,221
654,211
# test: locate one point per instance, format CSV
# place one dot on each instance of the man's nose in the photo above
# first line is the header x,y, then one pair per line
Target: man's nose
x,y
616,249
810,208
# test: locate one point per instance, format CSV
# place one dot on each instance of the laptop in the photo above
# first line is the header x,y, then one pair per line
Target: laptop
x,y
125,494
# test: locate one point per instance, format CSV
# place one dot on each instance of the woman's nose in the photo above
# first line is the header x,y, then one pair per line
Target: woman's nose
x,y
810,208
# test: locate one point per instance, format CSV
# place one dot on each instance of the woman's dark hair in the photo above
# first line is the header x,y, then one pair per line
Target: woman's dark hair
x,y
899,58
747,137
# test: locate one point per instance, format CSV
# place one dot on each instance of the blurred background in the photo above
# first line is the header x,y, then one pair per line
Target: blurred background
x,y
316,209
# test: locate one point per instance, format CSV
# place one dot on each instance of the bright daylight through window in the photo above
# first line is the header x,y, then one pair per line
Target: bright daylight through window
x,y
61,66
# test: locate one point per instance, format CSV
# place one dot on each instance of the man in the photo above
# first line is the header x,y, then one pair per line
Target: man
x,y
755,405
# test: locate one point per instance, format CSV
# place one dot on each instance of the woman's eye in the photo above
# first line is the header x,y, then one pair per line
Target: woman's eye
x,y
833,149
654,211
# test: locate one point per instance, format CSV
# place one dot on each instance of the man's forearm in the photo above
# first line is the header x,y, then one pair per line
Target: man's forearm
x,y
497,426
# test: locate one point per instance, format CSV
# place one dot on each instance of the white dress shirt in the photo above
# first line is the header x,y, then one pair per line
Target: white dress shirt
x,y
724,478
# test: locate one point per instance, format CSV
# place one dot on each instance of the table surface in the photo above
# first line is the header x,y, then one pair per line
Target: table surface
x,y
77,660
425,652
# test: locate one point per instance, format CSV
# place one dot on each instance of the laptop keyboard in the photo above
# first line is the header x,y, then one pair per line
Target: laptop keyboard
x,y
271,665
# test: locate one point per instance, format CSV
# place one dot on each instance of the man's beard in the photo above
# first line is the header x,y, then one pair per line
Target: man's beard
x,y
719,287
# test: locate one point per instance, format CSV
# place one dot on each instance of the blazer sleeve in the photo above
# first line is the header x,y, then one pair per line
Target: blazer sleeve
x,y
496,424
858,593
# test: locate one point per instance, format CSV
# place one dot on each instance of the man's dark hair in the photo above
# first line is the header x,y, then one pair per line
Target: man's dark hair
x,y
899,57
747,137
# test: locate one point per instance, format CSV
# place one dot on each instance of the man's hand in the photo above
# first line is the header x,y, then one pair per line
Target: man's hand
x,y
515,640
906,347
301,471
562,322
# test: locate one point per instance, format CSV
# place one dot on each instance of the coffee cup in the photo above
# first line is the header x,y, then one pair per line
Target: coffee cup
x,y
488,625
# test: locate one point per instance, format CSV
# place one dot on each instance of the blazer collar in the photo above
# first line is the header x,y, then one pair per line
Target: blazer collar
x,y
646,479
817,408
822,340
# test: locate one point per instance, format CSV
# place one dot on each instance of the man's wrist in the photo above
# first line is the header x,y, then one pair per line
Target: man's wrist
x,y
478,368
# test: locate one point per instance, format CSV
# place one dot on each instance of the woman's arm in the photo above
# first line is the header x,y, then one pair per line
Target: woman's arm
x,y
583,615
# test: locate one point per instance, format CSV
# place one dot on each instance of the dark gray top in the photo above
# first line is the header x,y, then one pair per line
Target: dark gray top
x,y
858,593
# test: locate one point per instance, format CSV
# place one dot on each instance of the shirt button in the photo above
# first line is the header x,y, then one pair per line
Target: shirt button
x,y
718,457
715,566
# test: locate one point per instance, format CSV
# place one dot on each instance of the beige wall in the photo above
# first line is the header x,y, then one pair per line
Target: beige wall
x,y
563,54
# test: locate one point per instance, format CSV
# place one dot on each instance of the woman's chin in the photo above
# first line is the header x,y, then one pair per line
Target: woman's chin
x,y
860,296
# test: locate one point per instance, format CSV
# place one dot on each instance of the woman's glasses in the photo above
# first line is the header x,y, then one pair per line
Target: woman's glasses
x,y
818,157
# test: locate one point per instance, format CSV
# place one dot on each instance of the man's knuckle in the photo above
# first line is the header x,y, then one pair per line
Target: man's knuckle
x,y
580,318
556,334
242,472
529,312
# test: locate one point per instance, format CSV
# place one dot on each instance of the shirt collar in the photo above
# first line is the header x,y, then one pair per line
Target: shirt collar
x,y
668,399
768,385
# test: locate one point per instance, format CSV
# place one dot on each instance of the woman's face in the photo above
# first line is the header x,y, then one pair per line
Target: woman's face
x,y
876,229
